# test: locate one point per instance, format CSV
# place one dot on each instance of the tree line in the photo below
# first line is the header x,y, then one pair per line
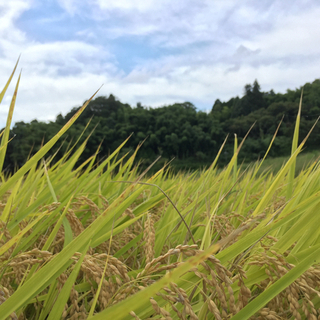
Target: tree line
x,y
179,131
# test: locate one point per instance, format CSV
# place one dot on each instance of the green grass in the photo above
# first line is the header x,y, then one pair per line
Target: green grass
x,y
270,164
303,161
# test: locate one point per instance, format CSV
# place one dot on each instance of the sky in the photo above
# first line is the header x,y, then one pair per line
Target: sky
x,y
156,52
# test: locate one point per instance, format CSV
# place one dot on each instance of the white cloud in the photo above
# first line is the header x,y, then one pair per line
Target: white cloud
x,y
292,35
70,6
56,75
53,96
140,5
11,37
206,50
9,12
62,57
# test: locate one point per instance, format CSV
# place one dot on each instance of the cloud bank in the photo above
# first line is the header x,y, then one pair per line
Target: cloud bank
x,y
153,52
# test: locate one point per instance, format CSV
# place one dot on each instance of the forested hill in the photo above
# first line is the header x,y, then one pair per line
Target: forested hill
x,y
180,130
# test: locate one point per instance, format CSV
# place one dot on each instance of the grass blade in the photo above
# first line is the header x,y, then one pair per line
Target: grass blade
x,y
294,147
39,155
63,297
3,92
235,167
5,138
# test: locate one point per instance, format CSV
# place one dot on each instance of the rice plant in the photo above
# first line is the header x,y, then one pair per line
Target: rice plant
x,y
105,241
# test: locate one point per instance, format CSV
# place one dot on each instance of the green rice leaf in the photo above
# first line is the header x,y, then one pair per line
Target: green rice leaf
x,y
294,147
64,294
235,162
23,170
3,92
5,138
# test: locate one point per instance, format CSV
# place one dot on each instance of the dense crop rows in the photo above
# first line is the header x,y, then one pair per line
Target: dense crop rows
x,y
103,241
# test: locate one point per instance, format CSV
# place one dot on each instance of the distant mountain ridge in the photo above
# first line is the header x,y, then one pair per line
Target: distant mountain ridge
x,y
180,130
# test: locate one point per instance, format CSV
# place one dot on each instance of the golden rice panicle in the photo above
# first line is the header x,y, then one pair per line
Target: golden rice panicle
x,y
115,266
83,312
225,282
5,232
244,292
93,272
160,263
75,223
297,298
160,311
123,238
124,291
266,313
116,275
293,298
20,265
62,280
183,298
214,309
2,206
171,298
134,315
75,312
83,201
149,238
57,244
4,295
51,207
217,280
6,236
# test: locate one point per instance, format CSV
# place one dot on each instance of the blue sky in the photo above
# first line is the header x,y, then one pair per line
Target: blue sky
x,y
153,52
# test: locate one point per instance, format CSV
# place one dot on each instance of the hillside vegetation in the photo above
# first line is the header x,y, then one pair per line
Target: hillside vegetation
x,y
179,131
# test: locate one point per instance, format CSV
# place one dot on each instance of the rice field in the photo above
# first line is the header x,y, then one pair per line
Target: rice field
x,y
107,241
